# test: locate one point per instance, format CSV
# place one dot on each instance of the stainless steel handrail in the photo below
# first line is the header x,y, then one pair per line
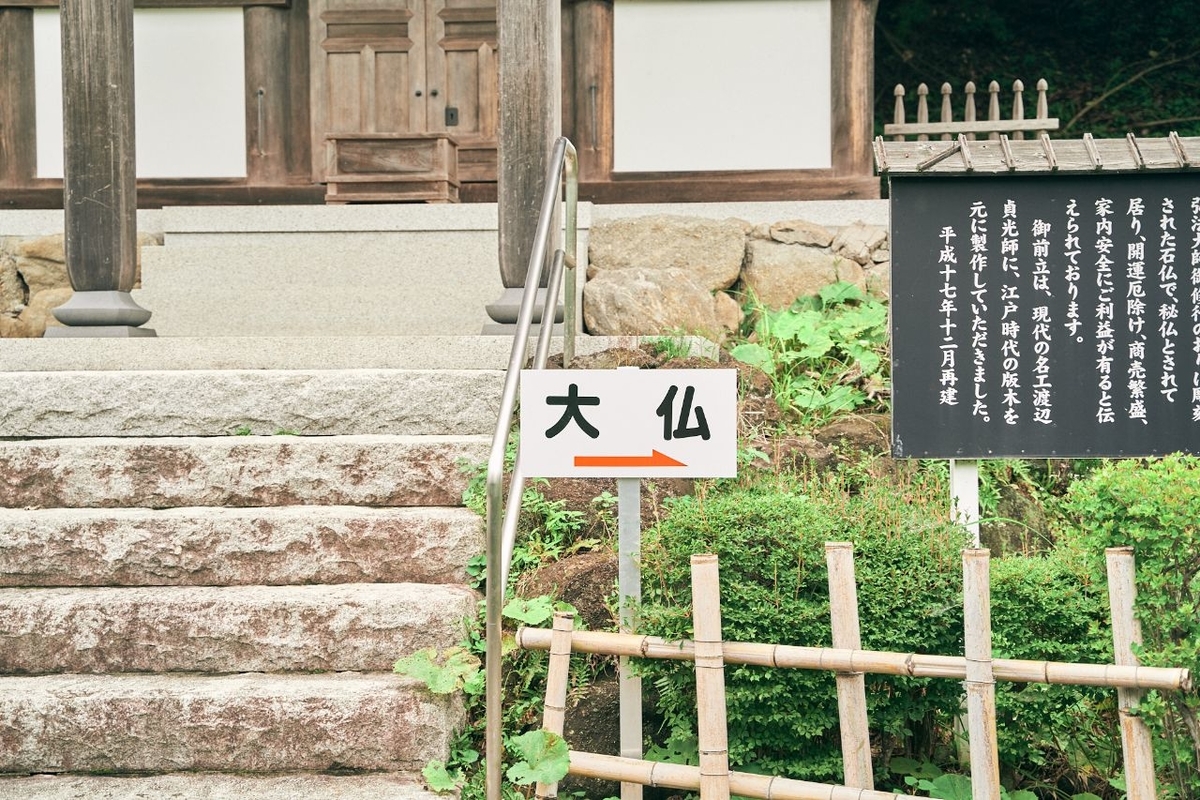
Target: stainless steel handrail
x,y
501,521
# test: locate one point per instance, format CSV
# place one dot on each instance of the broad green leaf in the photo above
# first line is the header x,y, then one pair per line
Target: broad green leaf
x,y
441,673
438,778
840,292
544,758
533,611
756,356
1022,794
795,324
949,787
1085,796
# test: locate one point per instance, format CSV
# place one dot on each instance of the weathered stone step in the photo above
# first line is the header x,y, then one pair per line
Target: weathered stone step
x,y
214,786
285,352
237,471
236,546
220,402
236,723
361,627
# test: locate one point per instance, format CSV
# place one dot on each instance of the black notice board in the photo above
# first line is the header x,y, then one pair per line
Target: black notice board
x,y
1046,316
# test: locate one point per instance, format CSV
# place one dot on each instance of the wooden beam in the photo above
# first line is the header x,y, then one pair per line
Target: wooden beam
x,y
156,3
18,134
98,162
530,121
853,93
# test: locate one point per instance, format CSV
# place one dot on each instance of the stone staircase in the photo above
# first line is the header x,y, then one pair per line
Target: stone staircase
x,y
186,612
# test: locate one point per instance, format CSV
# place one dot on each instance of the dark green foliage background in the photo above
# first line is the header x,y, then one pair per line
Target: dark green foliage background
x,y
1083,48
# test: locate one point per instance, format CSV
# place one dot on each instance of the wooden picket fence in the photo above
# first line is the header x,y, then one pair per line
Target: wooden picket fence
x,y
947,128
977,669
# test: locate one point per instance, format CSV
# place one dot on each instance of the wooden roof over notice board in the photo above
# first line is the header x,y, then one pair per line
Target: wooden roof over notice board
x,y
1006,156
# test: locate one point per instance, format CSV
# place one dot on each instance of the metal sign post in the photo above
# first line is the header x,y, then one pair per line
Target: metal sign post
x,y
629,424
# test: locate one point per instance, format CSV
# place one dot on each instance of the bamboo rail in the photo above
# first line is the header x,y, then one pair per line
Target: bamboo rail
x,y
681,776
912,665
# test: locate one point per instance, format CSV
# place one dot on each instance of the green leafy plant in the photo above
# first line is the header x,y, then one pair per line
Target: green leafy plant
x,y
825,354
544,758
1154,506
670,347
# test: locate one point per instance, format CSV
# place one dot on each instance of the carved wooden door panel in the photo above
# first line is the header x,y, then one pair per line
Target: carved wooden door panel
x,y
407,67
368,69
462,70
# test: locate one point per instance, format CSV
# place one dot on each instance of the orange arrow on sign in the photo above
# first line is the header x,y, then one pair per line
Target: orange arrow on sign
x,y
655,459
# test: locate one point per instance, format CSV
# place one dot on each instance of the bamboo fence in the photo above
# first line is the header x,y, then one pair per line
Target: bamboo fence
x,y
976,668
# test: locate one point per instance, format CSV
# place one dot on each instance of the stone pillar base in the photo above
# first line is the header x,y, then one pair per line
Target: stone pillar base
x,y
507,308
99,332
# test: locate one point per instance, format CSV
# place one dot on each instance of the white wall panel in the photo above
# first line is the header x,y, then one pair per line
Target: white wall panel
x,y
721,85
189,88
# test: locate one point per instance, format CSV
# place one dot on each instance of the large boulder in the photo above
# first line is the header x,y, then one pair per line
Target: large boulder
x,y
39,314
776,274
711,250
655,301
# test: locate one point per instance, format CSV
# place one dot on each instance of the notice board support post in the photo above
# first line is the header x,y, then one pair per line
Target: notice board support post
x,y
629,592
964,496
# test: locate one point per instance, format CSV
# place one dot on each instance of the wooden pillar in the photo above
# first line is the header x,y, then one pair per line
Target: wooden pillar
x,y
588,93
277,121
853,56
530,120
18,133
99,190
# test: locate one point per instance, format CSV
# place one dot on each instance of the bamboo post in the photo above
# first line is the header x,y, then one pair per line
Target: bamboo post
x,y
629,597
851,686
993,106
710,679
898,111
969,109
922,110
1135,736
980,683
556,686
1018,110
947,111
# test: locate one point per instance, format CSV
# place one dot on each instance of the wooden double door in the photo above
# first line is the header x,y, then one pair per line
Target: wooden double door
x,y
406,67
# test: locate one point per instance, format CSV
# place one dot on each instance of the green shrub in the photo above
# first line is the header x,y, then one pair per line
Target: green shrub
x,y
1046,608
770,540
1155,508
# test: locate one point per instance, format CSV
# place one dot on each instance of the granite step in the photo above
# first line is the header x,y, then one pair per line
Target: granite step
x,y
237,546
373,470
221,402
214,786
348,627
250,723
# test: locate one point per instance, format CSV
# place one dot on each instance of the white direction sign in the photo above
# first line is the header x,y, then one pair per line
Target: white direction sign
x,y
629,423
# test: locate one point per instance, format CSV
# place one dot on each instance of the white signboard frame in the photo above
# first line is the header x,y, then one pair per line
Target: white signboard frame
x,y
629,423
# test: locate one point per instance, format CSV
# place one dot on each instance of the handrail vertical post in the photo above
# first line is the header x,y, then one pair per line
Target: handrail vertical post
x,y
501,528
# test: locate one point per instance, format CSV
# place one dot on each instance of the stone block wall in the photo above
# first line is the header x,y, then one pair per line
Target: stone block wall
x,y
666,274
33,282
